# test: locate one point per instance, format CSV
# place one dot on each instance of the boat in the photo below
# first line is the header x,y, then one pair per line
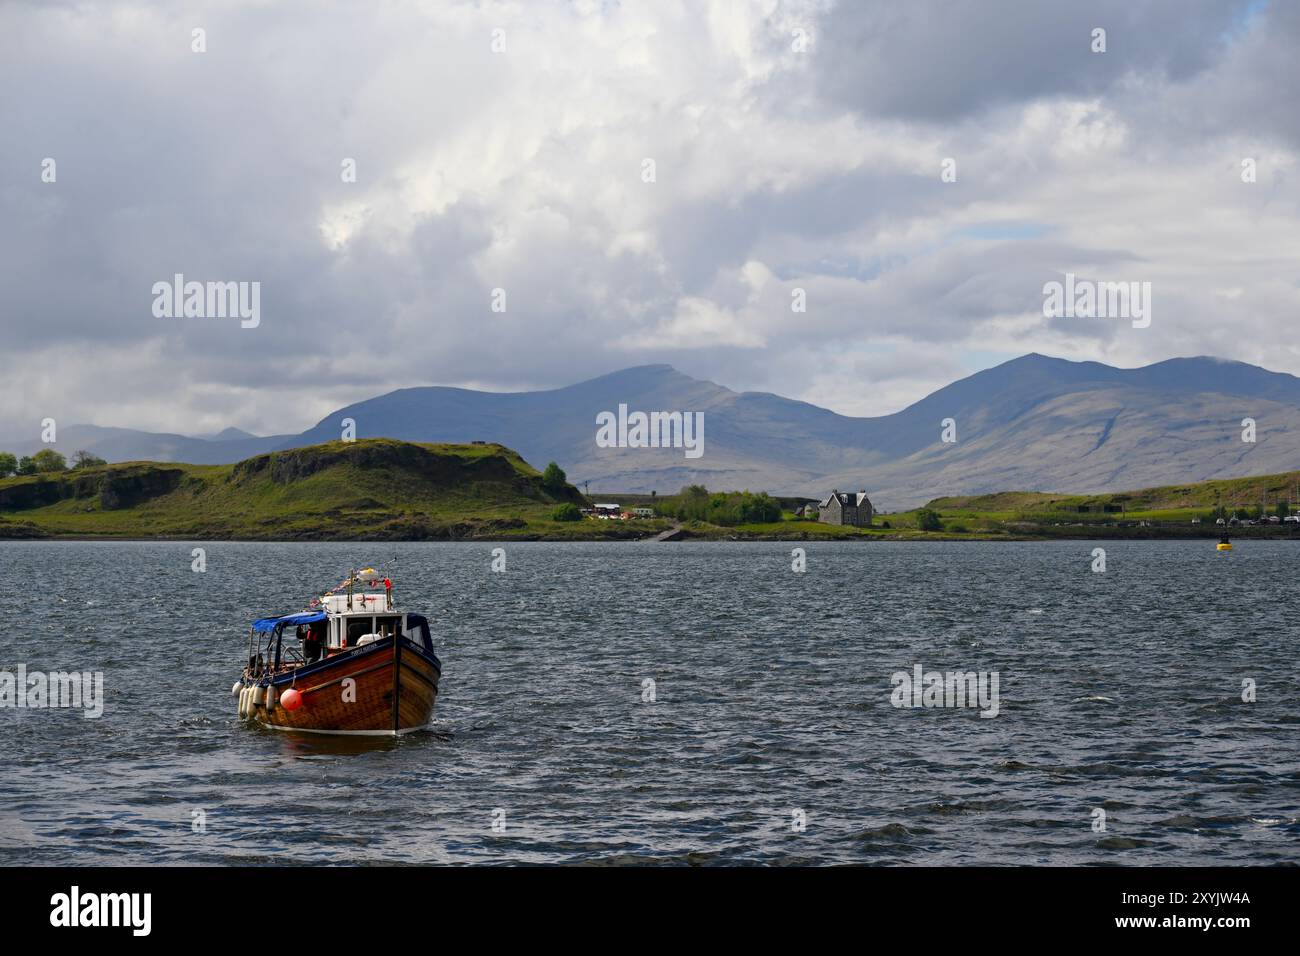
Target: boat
x,y
351,663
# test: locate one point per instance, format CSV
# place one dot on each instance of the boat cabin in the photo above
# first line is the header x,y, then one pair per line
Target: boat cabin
x,y
369,618
340,623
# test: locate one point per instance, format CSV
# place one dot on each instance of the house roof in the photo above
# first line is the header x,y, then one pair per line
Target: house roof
x,y
847,498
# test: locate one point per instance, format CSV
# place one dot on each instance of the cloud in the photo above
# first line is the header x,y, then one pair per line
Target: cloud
x,y
939,62
776,168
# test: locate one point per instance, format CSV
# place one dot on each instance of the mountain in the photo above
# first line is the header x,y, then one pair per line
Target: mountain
x,y
128,444
1033,423
228,434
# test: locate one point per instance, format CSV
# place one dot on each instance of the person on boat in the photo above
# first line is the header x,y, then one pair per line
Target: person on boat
x,y
313,642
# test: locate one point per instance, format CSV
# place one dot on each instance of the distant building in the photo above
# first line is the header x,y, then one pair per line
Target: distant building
x,y
806,511
643,512
845,507
606,510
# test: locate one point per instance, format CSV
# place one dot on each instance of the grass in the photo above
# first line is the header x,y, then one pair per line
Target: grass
x,y
381,489
375,488
1173,500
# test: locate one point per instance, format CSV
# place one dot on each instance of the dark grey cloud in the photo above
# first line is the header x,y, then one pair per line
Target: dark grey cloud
x,y
941,60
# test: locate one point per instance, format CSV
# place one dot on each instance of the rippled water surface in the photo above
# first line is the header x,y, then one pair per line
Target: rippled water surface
x,y
1120,691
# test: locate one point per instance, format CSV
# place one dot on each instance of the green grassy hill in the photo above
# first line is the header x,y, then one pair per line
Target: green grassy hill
x,y
375,489
1163,511
1174,500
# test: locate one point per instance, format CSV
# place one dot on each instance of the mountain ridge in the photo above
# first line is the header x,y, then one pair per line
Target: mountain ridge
x,y
1034,421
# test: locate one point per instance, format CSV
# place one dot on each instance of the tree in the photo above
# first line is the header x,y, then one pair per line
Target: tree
x,y
1282,509
566,512
8,464
47,459
927,519
26,466
84,459
554,478
696,503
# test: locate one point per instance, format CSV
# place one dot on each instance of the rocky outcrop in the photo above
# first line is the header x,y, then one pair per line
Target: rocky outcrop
x,y
114,487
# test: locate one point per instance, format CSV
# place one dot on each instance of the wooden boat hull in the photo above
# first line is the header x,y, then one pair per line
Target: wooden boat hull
x,y
359,691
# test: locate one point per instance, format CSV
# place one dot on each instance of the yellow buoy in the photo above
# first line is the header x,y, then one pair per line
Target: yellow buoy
x,y
1223,547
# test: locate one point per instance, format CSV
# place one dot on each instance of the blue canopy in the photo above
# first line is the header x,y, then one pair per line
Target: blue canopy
x,y
289,620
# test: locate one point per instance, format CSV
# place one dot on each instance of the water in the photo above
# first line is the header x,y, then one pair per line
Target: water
x,y
1120,691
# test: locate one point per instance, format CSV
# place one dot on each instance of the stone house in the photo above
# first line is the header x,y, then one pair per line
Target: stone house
x,y
845,507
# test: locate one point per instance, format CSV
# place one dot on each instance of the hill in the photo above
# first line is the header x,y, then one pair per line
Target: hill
x,y
1165,507
375,489
1230,493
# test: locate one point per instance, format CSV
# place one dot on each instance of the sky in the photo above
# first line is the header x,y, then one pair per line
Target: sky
x,y
644,182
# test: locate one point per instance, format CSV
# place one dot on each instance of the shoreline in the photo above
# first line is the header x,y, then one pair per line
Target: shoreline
x,y
651,538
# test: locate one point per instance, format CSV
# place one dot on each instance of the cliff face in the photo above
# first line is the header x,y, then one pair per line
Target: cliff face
x,y
119,487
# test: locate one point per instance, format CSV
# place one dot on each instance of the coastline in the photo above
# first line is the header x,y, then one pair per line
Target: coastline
x,y
649,537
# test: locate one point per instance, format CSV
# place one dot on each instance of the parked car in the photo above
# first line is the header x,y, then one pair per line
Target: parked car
x,y
1292,518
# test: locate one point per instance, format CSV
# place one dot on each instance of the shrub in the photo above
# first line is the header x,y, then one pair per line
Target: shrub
x,y
722,507
47,459
927,519
553,478
566,512
84,459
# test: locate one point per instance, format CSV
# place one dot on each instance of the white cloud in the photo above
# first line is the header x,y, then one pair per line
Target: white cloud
x,y
522,170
